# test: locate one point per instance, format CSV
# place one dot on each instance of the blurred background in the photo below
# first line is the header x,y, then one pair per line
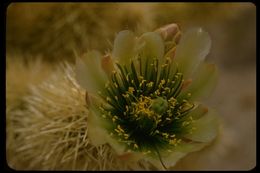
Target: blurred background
x,y
40,35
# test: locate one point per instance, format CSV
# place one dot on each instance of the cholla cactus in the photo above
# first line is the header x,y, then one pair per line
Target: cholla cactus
x,y
48,129
143,98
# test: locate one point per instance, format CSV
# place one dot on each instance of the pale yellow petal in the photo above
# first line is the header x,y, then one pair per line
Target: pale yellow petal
x,y
152,45
119,148
96,133
203,83
131,156
97,127
81,72
170,160
206,128
124,46
191,146
197,112
89,73
192,50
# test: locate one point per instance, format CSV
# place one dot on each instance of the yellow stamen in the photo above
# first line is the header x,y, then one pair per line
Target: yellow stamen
x,y
117,131
157,92
166,135
143,106
172,136
116,85
185,123
107,85
150,84
114,118
173,142
101,108
120,128
131,90
164,65
136,146
167,89
140,77
127,108
126,95
147,152
162,81
126,136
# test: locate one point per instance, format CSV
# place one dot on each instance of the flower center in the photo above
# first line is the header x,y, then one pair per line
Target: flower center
x,y
143,104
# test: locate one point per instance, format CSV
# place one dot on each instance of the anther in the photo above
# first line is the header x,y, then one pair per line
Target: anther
x,y
135,146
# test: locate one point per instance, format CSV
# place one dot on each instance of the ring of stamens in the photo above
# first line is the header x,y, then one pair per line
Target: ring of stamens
x,y
132,95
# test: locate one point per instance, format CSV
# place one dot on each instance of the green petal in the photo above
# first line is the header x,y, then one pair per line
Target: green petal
x,y
206,128
131,156
168,161
97,134
170,158
196,113
203,83
89,73
124,46
119,148
97,126
151,45
192,50
187,147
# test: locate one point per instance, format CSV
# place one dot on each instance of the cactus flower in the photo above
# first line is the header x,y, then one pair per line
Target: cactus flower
x,y
144,98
